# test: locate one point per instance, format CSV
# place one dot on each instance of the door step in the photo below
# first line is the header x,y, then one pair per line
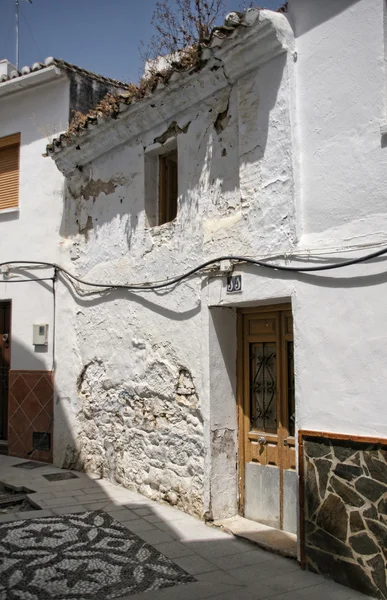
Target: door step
x,y
4,447
274,540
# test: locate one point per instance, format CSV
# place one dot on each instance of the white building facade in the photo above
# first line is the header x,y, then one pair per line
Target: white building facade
x,y
263,395
36,104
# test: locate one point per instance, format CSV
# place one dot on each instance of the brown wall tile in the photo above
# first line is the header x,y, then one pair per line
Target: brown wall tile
x,y
31,405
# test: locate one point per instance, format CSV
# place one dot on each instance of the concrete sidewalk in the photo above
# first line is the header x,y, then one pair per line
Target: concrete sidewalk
x,y
225,567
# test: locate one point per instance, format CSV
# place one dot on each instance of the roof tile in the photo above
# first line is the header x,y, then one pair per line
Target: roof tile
x,y
65,66
112,105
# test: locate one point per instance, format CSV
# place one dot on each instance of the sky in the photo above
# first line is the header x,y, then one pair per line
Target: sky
x,y
103,36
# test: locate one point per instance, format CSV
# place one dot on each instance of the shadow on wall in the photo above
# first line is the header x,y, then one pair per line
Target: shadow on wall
x,y
309,18
34,405
131,297
11,216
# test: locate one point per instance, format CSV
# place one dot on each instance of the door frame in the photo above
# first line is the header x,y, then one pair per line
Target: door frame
x,y
243,418
5,408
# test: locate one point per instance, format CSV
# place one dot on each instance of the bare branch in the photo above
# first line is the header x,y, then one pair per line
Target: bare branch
x,y
184,24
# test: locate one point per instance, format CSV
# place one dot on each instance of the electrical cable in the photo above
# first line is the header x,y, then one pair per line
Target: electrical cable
x,y
11,27
40,53
174,280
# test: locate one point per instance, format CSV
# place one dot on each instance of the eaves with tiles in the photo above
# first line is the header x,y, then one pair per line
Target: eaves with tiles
x,y
86,89
62,65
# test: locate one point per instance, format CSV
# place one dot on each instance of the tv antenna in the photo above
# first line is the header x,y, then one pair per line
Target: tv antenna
x,y
17,31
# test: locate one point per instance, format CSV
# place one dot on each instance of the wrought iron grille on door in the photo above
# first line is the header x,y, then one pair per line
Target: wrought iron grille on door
x,y
263,397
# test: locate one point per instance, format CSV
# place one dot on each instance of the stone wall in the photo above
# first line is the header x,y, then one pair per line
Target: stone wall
x,y
345,512
146,435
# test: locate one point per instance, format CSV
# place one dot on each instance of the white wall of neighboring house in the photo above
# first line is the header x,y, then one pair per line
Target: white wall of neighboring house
x,y
33,231
341,106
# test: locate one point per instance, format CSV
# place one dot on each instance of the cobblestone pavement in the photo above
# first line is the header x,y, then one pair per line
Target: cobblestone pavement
x,y
224,567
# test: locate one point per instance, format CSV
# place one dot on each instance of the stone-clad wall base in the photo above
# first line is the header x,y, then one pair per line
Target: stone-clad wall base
x,y
345,512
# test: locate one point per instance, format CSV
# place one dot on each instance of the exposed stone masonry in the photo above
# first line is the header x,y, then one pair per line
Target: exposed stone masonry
x,y
146,436
345,487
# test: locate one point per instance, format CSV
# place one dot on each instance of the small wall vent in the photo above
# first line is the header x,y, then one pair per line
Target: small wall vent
x,y
41,441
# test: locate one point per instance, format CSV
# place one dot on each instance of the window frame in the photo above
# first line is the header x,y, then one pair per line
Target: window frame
x,y
154,157
7,142
168,191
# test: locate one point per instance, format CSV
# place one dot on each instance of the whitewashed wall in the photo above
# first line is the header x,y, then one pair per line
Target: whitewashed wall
x,y
341,105
32,232
136,391
147,383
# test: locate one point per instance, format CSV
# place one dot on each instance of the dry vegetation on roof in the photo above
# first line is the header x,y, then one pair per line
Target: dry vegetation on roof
x,y
108,107
181,24
181,33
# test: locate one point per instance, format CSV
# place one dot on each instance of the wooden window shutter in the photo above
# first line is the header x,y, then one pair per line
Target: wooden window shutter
x,y
168,187
162,190
9,171
172,188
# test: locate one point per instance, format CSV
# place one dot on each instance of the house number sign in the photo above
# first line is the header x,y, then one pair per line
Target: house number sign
x,y
234,284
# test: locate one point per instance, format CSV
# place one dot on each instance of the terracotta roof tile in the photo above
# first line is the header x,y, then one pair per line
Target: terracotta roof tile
x,y
112,105
64,66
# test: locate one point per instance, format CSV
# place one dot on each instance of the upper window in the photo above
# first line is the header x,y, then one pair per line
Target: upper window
x,y
161,183
9,171
167,187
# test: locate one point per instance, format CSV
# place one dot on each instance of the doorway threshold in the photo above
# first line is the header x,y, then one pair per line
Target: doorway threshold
x,y
269,538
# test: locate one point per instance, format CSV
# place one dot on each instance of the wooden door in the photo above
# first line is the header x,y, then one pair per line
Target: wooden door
x,y
5,351
267,414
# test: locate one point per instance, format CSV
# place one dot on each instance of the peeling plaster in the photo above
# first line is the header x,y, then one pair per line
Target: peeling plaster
x,y
96,187
222,120
82,197
133,418
88,227
142,408
219,228
223,442
120,423
93,187
172,131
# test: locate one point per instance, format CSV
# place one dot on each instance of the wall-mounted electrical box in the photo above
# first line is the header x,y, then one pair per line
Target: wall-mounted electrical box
x,y
40,335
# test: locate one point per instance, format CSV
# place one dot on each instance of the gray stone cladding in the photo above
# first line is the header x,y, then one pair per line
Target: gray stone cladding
x,y
345,512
